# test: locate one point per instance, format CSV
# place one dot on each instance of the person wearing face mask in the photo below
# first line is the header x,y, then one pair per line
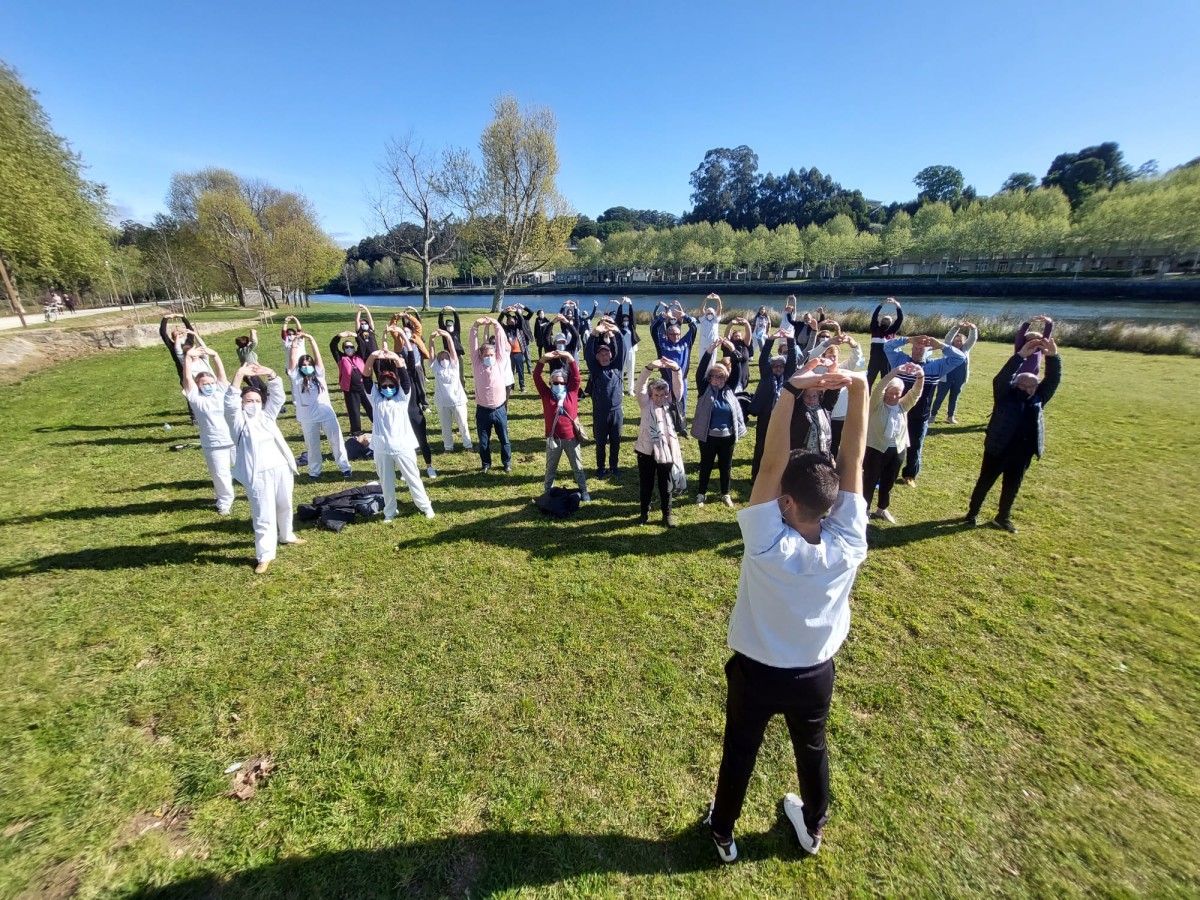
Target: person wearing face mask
x,y
518,344
560,410
565,340
760,327
708,318
449,322
410,325
351,378
1016,431
288,335
962,336
489,361
412,350
605,356
883,329
887,434
737,333
262,463
774,370
180,341
718,426
314,411
392,437
657,445
676,346
935,370
364,327
448,394
805,534
205,394
627,323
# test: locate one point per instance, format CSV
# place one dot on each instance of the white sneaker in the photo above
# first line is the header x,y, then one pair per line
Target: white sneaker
x,y
431,472
883,514
793,808
701,499
585,497
728,501
429,513
726,851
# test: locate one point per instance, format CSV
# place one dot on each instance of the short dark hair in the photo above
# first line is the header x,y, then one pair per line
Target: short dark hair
x,y
811,480
241,341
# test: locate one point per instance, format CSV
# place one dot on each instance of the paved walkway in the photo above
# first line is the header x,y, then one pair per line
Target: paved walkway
x,y
36,317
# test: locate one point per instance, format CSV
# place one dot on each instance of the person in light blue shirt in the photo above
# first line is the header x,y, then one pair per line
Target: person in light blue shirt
x,y
935,370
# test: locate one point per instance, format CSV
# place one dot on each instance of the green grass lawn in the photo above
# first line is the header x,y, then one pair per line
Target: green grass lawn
x,y
493,703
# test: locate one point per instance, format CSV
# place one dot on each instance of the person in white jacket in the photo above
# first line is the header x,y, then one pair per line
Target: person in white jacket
x,y
448,394
314,409
205,393
392,436
262,462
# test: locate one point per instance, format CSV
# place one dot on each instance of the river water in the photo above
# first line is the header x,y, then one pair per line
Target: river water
x,y
958,307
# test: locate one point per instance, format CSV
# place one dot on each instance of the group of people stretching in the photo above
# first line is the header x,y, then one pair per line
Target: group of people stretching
x,y
908,379
831,432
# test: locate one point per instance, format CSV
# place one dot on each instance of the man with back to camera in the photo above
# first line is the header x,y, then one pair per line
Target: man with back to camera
x,y
805,534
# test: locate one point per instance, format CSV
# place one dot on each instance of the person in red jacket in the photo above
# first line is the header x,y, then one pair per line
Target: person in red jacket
x,y
560,407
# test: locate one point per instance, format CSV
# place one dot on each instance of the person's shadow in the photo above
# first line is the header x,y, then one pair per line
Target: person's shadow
x,y
476,865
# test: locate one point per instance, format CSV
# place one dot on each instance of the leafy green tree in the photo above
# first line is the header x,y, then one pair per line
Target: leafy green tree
x,y
1019,181
725,187
939,184
1082,174
52,228
516,219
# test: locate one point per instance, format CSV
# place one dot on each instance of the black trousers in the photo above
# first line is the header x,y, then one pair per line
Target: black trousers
x,y
877,364
720,450
835,435
1012,466
356,400
606,427
758,692
918,428
760,443
417,418
880,467
649,472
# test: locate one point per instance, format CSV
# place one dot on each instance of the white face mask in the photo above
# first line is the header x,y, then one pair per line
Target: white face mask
x,y
251,409
489,361
711,317
444,364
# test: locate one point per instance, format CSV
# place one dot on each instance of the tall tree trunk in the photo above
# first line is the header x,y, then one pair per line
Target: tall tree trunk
x,y
498,294
14,299
425,268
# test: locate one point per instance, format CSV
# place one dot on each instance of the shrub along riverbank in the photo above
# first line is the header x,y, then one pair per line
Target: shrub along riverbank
x,y
492,702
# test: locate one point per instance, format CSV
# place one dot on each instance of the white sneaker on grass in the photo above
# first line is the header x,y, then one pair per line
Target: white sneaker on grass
x,y
701,499
429,513
727,850
431,472
793,808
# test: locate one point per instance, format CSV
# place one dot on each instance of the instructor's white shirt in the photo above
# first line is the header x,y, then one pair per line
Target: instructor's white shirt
x,y
391,428
793,602
210,416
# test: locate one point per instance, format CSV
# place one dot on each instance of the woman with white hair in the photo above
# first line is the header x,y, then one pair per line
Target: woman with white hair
x,y
262,463
657,445
717,426
887,434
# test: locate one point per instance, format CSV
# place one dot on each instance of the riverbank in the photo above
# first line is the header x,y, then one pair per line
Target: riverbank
x,y
1177,289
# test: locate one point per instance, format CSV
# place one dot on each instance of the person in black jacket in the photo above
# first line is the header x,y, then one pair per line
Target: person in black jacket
x,y
604,354
1016,432
883,328
449,322
774,370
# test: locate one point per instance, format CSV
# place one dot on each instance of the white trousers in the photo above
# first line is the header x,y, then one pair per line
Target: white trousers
x,y
386,464
556,447
220,468
631,370
449,415
324,420
270,497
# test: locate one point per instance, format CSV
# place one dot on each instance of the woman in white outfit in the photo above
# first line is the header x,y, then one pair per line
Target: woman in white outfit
x,y
314,409
448,393
205,394
262,461
392,436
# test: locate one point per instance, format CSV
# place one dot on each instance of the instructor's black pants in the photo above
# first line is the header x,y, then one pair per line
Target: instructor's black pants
x,y
719,450
877,364
649,472
607,425
880,467
1011,466
356,401
758,692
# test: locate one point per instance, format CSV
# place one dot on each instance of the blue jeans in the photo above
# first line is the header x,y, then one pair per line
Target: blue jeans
x,y
952,384
518,365
485,419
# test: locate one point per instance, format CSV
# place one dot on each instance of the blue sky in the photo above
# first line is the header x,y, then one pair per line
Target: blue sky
x,y
306,94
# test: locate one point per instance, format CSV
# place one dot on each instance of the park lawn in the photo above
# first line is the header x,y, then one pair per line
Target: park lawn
x,y
495,703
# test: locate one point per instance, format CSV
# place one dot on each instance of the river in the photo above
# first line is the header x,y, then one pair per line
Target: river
x,y
959,307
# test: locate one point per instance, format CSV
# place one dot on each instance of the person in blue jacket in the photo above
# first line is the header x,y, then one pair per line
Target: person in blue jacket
x,y
935,370
674,345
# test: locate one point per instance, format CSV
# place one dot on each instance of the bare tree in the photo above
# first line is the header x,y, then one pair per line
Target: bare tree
x,y
412,189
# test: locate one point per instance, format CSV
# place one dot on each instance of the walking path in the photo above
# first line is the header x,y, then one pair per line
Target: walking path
x,y
35,317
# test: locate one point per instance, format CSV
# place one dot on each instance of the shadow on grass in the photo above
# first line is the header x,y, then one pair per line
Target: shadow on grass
x,y
475,865
192,485
47,429
189,439
956,429
125,556
899,535
149,508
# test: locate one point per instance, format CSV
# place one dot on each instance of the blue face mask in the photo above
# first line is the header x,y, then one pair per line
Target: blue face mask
x,y
389,392
207,389
307,370
558,390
